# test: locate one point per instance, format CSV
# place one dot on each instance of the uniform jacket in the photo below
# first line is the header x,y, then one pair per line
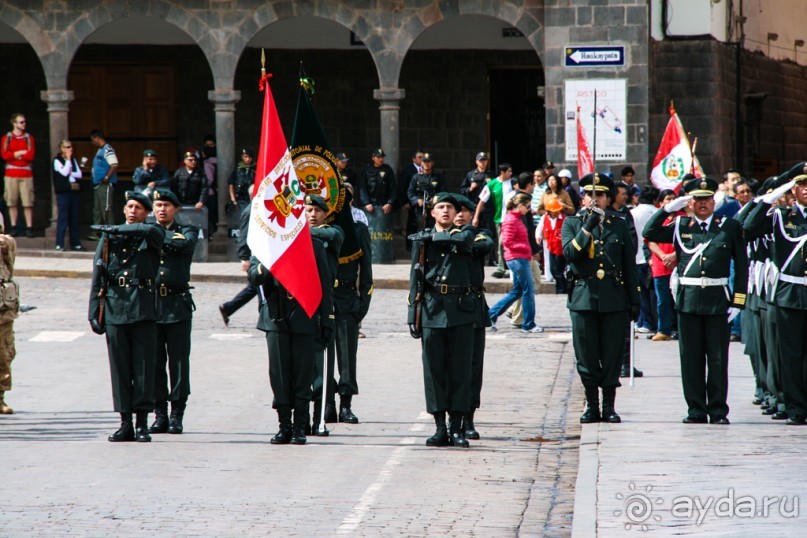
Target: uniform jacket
x,y
243,179
474,176
280,311
613,255
142,177
725,243
789,231
8,254
448,298
354,280
483,245
377,186
190,187
174,301
134,258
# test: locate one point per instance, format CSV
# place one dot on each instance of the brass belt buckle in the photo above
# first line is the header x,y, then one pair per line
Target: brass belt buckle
x,y
444,289
163,290
122,281
600,274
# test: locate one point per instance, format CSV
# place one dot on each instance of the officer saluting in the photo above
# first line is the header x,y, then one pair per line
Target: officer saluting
x,y
174,313
604,287
705,246
443,309
788,290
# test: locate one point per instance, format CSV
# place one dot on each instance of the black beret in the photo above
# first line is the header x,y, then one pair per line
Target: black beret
x,y
448,197
313,199
165,195
139,197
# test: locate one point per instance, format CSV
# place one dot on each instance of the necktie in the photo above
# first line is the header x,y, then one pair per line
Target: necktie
x,y
703,227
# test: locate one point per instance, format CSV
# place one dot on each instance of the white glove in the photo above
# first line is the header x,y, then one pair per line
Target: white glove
x,y
677,204
775,194
733,313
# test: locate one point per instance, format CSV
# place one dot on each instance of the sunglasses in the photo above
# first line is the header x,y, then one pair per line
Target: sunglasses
x,y
67,147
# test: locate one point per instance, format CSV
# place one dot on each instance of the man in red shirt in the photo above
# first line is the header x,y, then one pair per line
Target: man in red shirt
x,y
18,152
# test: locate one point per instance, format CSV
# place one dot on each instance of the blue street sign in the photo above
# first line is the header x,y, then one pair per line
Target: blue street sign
x,y
593,56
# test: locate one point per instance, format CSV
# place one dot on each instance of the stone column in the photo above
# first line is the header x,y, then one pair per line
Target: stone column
x,y
224,105
58,105
381,227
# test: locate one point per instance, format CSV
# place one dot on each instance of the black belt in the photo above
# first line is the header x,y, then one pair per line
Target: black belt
x,y
448,289
124,282
346,284
164,290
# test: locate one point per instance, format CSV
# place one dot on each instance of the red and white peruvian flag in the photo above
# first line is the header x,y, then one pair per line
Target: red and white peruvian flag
x,y
278,233
674,158
585,164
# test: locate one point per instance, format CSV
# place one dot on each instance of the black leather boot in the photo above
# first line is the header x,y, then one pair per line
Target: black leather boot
x,y
142,427
316,418
455,436
468,429
283,435
608,412
301,421
440,437
125,432
592,412
160,424
177,414
345,413
330,412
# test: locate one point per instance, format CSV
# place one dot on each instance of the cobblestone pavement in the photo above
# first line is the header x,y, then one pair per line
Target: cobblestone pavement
x,y
222,477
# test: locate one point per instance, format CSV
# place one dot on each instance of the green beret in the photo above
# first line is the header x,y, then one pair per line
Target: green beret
x,y
465,202
139,197
701,187
313,199
149,153
165,195
448,197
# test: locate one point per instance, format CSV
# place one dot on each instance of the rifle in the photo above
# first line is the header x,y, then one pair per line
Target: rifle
x,y
420,278
103,265
108,209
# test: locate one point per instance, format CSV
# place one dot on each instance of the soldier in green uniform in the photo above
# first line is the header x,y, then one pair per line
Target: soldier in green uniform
x,y
705,246
483,245
788,224
174,313
351,298
292,339
123,305
443,308
604,289
330,239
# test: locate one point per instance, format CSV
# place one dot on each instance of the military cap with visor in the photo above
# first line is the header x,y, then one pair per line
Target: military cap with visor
x,y
596,182
701,187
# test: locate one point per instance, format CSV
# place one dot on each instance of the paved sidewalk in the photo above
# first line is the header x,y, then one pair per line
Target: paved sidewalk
x,y
656,474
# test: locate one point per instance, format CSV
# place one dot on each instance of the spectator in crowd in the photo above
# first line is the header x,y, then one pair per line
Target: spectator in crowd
x,y
65,173
641,214
525,185
662,264
104,179
566,183
517,253
551,233
210,165
629,178
495,194
347,173
18,152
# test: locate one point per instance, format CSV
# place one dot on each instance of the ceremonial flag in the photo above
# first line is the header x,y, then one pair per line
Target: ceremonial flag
x,y
278,233
585,164
674,158
317,169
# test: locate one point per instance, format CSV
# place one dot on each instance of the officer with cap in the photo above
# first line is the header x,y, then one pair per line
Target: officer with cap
x,y
788,282
422,188
328,240
345,171
443,310
293,340
174,314
377,192
150,174
705,246
189,182
483,244
604,288
122,305
242,180
476,179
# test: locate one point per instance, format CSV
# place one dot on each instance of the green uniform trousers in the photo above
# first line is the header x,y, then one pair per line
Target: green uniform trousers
x,y
132,348
347,347
447,368
291,369
319,365
792,330
598,339
704,344
173,348
477,366
773,378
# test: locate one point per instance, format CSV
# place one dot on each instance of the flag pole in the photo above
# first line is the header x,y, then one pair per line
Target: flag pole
x,y
594,150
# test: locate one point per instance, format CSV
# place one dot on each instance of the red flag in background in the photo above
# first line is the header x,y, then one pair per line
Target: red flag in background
x,y
674,158
585,164
278,233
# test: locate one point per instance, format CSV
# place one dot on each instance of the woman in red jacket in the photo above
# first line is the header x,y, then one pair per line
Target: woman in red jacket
x,y
517,254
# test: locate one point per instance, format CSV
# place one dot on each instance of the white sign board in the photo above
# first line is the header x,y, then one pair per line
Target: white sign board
x,y
608,133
